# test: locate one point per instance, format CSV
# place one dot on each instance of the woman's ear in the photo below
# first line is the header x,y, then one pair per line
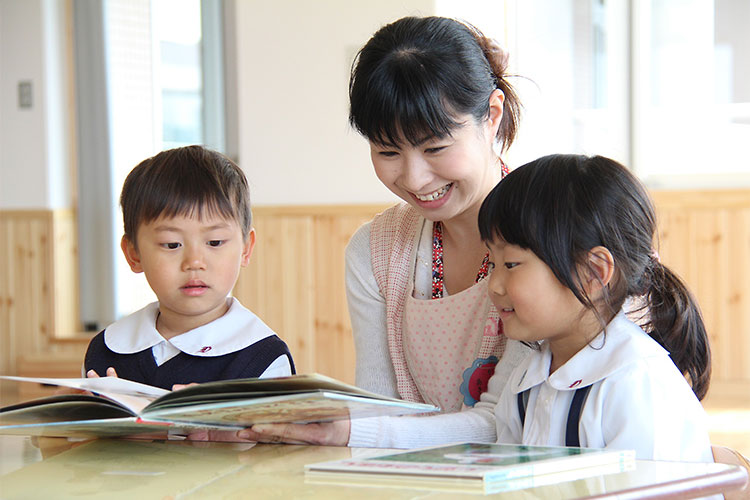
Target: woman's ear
x,y
131,254
600,270
247,249
497,98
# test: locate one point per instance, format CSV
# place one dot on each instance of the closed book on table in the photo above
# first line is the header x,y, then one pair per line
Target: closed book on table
x,y
481,467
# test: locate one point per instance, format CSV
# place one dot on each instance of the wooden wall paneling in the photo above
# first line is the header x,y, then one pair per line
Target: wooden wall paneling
x,y
739,291
41,269
706,249
335,344
256,287
38,295
26,262
295,282
65,288
7,351
297,275
278,283
705,238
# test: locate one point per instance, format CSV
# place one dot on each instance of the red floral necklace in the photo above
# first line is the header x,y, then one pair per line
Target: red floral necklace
x,y
437,255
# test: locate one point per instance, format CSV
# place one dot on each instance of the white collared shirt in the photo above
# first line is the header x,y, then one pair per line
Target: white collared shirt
x,y
237,329
638,400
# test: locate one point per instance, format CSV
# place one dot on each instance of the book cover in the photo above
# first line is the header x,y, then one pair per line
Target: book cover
x,y
117,407
479,467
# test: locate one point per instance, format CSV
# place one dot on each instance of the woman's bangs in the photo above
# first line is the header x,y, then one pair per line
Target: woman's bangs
x,y
403,105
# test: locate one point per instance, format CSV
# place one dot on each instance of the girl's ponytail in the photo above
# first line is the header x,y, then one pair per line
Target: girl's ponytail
x,y
675,321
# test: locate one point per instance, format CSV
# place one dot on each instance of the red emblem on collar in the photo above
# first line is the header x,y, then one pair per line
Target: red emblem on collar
x,y
577,382
208,348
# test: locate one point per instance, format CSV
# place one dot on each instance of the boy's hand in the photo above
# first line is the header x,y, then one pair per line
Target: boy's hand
x,y
110,373
177,387
89,374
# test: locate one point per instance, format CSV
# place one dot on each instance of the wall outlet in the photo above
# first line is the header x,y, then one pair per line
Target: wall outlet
x,y
25,94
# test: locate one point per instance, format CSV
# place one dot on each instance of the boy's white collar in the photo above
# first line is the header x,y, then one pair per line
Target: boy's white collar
x,y
236,329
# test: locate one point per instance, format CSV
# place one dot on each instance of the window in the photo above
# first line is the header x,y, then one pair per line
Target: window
x,y
660,85
693,78
142,92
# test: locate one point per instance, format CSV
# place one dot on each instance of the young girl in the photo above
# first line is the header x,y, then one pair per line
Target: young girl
x,y
571,238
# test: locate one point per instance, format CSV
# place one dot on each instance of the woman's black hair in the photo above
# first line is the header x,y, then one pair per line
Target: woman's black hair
x,y
190,181
562,206
415,76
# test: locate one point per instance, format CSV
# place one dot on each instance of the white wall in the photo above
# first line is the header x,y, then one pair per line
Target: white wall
x,y
294,57
34,142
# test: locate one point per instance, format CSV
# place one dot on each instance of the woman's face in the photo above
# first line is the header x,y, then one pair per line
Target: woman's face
x,y
443,178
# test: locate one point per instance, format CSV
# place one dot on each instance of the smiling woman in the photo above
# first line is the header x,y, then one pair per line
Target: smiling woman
x,y
431,97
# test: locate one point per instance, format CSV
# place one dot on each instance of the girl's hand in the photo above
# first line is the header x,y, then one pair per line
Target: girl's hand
x,y
326,433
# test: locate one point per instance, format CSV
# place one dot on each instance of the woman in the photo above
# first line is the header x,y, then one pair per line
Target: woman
x,y
431,97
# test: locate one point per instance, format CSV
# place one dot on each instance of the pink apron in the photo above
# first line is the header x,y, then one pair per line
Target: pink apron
x,y
451,346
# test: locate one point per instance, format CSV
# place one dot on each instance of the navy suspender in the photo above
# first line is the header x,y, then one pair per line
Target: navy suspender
x,y
574,413
574,416
523,401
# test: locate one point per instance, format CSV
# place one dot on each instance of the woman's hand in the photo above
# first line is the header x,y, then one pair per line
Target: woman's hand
x,y
326,434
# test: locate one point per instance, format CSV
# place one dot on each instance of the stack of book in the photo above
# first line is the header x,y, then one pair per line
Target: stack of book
x,y
473,467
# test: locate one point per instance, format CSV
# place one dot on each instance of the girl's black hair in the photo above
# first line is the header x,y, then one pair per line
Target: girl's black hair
x,y
189,180
562,206
415,76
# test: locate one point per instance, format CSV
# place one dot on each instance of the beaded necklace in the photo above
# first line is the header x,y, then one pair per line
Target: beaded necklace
x,y
437,254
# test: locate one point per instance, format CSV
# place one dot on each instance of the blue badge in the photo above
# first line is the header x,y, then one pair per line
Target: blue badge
x,y
476,379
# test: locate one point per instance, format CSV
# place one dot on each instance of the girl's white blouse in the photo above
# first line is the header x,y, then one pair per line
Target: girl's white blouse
x,y
638,400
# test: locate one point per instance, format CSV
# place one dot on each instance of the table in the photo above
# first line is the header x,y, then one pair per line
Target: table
x,y
142,470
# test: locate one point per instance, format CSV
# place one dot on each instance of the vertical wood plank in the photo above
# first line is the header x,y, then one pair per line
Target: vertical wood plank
x,y
64,287
7,351
297,276
705,238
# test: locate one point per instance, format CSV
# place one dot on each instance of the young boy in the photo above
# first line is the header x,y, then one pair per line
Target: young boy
x,y
188,228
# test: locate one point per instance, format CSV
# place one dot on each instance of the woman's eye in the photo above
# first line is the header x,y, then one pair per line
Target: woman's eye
x,y
434,150
510,265
171,246
490,265
215,243
388,154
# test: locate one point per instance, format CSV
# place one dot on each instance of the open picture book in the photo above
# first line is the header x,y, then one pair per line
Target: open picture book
x,y
118,407
478,467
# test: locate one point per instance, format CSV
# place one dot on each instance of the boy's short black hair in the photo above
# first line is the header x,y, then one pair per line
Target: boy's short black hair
x,y
186,181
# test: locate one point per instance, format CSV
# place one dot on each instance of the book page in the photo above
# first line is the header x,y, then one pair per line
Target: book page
x,y
132,395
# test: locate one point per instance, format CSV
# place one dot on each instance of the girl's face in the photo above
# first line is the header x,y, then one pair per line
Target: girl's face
x,y
448,177
533,304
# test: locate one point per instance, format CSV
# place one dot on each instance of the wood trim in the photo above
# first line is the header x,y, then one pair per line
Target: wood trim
x,y
320,210
708,199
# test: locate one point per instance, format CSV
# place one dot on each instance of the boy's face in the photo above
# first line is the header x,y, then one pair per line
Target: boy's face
x,y
191,264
